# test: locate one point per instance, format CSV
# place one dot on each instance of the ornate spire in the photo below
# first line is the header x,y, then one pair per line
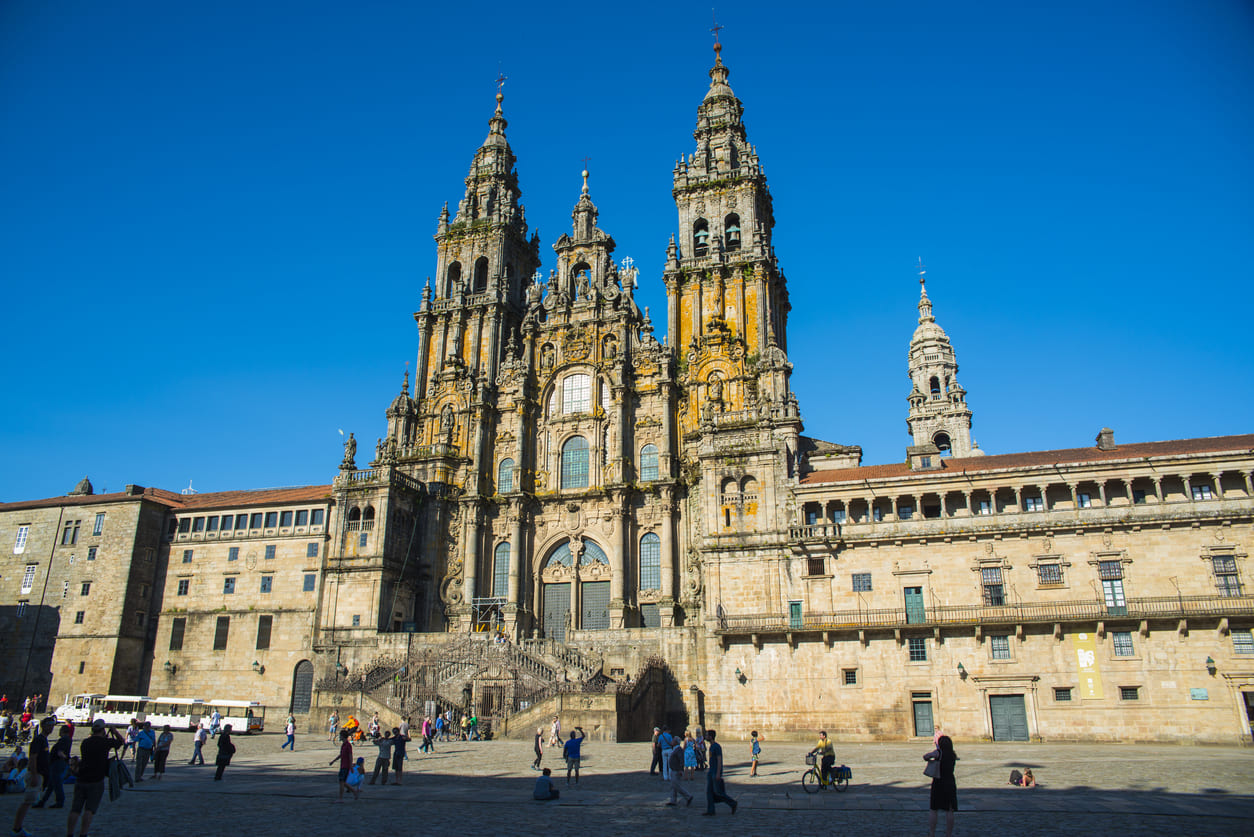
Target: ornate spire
x,y
925,304
938,412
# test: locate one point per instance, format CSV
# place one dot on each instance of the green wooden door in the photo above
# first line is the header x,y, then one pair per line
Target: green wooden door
x,y
1010,717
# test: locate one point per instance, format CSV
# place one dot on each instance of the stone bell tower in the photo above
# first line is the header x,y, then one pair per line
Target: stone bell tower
x,y
938,404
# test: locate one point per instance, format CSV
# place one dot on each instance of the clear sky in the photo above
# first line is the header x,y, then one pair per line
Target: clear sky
x,y
216,217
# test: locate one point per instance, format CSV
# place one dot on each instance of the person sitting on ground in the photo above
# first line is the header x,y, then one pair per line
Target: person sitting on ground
x,y
544,787
15,780
1029,781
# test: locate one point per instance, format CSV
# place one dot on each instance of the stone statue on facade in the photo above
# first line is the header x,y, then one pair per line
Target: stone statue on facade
x,y
350,454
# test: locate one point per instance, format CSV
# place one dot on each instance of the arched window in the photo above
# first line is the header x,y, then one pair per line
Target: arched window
x,y
369,513
505,477
942,442
648,463
575,463
354,514
701,237
650,562
592,554
454,277
576,394
731,232
481,275
936,387
500,571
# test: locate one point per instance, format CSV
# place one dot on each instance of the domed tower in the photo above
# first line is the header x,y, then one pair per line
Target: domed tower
x,y
938,404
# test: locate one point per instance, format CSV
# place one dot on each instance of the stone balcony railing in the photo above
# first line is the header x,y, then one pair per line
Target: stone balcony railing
x,y
943,616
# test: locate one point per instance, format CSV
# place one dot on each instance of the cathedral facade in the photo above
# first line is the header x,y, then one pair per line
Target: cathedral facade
x,y
598,500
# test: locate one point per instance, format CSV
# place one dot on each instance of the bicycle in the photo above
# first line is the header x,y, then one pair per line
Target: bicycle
x,y
812,780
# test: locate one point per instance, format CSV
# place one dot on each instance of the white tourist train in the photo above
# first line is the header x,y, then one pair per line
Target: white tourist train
x,y
244,716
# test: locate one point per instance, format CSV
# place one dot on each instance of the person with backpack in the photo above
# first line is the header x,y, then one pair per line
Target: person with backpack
x,y
198,743
676,774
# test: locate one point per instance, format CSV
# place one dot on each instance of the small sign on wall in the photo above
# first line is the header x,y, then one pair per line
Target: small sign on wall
x,y
1198,694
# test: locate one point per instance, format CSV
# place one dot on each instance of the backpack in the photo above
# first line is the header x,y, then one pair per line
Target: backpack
x,y
1016,778
677,759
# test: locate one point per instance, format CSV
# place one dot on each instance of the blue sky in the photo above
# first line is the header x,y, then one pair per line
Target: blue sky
x,y
216,217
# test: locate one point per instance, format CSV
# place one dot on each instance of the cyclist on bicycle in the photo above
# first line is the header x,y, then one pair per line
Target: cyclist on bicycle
x,y
827,754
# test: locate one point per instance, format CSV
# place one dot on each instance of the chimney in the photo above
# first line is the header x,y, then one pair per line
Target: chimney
x,y
1106,439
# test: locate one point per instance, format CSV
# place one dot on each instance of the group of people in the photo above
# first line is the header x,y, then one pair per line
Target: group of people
x,y
679,756
391,754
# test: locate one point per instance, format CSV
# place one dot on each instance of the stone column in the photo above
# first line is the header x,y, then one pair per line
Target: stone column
x,y
1249,483
966,498
470,551
1158,488
424,349
1219,484
1101,492
517,563
667,605
1188,487
622,562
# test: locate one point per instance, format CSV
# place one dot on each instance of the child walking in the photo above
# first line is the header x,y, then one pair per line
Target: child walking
x,y
755,751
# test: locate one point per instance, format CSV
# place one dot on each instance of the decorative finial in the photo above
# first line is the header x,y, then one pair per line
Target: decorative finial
x,y
586,160
925,304
405,384
500,87
715,29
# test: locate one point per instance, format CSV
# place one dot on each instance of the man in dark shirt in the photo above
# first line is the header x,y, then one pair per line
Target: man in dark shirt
x,y
715,789
60,755
40,763
93,769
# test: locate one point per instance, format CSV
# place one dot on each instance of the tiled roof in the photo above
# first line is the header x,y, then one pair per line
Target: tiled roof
x,y
1031,459
210,500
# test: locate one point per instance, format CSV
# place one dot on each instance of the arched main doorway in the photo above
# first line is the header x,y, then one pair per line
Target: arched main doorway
x,y
575,589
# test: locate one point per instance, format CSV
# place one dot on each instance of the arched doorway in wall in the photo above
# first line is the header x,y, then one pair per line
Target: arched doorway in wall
x,y
302,687
575,589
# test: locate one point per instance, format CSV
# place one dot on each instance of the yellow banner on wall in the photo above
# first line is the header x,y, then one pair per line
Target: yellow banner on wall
x,y
1086,658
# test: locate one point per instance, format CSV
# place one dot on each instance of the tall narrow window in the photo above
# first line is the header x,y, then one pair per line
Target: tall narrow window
x,y
576,394
315,517
178,626
500,571
505,476
264,624
28,578
272,519
575,463
999,647
19,544
228,585
994,590
270,548
1111,575
650,562
701,237
97,528
731,232
311,549
481,275
648,463
221,632
1226,575
452,279
267,583
302,517
285,519
1123,644
232,554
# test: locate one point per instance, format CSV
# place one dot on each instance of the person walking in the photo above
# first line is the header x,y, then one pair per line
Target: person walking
x,y
60,756
162,752
39,765
428,735
441,731
715,787
132,735
333,726
215,723
944,793
755,753
676,773
225,750
93,769
399,742
571,752
555,733
345,758
290,731
198,743
145,741
539,746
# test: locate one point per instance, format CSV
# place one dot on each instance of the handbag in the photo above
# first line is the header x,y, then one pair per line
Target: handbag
x,y
932,770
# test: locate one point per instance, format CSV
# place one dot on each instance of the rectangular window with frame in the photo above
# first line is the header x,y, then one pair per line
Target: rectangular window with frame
x,y
905,512
91,553
232,554
309,582
198,525
1049,575
264,625
1123,644
187,556
212,525
185,585
316,517
1062,694
1242,642
984,507
994,590
228,585
362,540
1033,504
69,536
255,523
19,542
178,626
1138,497
850,676
270,550
65,589
79,616
1226,579
97,527
221,632
185,525
1111,575
918,649
28,578
311,549
862,582
272,519
1084,501
1202,492
21,609
267,583
141,618
302,517
86,589
1129,692
285,519
999,646
356,620
816,566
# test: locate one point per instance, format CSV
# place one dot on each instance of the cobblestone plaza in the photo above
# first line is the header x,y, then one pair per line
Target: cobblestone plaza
x,y
485,788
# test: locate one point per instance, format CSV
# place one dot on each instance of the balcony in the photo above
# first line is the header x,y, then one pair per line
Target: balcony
x,y
952,616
